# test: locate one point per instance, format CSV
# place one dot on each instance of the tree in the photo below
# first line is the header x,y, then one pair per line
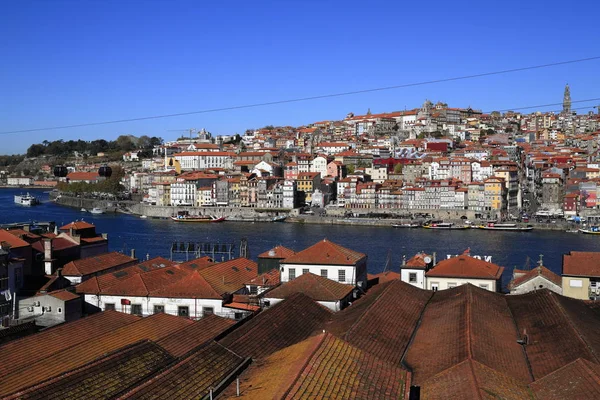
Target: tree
x,y
124,143
144,142
398,168
35,150
155,141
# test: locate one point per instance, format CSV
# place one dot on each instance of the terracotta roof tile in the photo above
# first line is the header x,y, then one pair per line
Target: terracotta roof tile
x,y
384,276
95,264
537,271
325,252
465,266
186,339
19,354
77,225
382,322
63,295
282,325
192,377
230,276
582,263
577,380
106,377
313,286
322,367
154,327
277,252
269,278
559,329
466,323
11,239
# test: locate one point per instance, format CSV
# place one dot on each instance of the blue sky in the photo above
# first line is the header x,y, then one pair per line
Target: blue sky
x,y
72,62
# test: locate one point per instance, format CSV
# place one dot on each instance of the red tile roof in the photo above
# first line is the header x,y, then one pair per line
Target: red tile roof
x,y
559,329
465,266
92,265
77,225
18,354
192,377
322,367
582,263
417,261
154,327
282,325
188,338
107,376
63,295
383,321
13,240
577,380
313,286
384,276
83,176
277,252
269,278
466,323
537,271
325,252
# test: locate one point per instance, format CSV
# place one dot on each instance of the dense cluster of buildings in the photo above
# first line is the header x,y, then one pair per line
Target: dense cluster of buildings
x,y
293,324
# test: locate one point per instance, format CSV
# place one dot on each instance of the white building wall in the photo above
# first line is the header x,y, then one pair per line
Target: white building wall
x,y
536,283
405,277
446,283
332,272
332,305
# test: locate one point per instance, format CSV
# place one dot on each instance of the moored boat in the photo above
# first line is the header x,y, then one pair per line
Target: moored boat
x,y
279,218
197,218
592,230
413,225
26,200
445,225
491,226
96,210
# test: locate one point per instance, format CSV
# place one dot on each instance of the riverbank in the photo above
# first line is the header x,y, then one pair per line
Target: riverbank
x,y
238,214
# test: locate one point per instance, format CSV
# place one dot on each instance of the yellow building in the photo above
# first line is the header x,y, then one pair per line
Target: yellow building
x,y
581,275
494,195
307,182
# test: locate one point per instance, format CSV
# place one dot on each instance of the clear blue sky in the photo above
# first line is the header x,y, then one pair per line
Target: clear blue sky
x,y
70,62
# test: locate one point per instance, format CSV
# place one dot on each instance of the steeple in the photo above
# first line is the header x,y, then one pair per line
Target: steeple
x,y
567,100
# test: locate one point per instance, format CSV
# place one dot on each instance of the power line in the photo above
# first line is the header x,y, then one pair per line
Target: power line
x,y
546,105
325,96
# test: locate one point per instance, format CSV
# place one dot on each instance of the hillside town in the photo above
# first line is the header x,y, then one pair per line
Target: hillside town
x,y
433,158
80,321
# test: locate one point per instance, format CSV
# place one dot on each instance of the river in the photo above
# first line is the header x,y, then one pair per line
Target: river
x,y
154,237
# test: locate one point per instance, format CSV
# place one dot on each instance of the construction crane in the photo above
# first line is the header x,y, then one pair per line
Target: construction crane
x,y
190,130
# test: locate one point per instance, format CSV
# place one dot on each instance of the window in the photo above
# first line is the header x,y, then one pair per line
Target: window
x,y
238,316
59,310
292,273
207,311
183,311
253,289
486,287
412,277
109,307
576,283
305,271
159,309
136,309
451,285
324,273
342,275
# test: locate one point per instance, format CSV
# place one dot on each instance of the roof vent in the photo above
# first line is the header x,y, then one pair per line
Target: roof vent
x,y
271,252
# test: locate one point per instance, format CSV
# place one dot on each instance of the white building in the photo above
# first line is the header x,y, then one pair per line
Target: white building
x,y
19,181
183,193
328,260
199,160
456,271
536,279
319,164
289,194
413,270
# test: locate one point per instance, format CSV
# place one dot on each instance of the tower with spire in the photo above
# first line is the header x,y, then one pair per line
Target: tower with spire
x,y
567,100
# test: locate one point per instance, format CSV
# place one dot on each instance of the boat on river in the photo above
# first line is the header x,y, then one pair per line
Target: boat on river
x,y
184,216
446,226
96,210
491,226
592,230
26,200
410,225
279,218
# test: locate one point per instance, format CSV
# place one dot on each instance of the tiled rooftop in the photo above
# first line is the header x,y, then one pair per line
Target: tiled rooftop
x,y
282,325
582,263
537,271
577,380
277,252
465,266
313,286
325,252
105,377
19,354
91,265
192,377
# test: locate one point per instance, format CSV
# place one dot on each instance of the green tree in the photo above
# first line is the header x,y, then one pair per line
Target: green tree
x,y
35,150
398,168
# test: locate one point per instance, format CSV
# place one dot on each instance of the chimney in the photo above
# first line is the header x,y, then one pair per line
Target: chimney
x,y
59,272
47,249
132,253
71,230
434,258
26,227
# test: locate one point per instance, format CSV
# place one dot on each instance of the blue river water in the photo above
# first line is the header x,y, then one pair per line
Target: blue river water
x,y
154,237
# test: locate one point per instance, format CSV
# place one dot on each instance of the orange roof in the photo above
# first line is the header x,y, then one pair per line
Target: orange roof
x,y
13,240
314,286
537,271
465,266
325,252
277,252
83,176
269,278
63,295
91,265
581,263
77,225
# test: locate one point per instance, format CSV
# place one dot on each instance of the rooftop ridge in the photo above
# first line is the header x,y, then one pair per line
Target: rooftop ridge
x,y
414,334
572,325
357,322
512,317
